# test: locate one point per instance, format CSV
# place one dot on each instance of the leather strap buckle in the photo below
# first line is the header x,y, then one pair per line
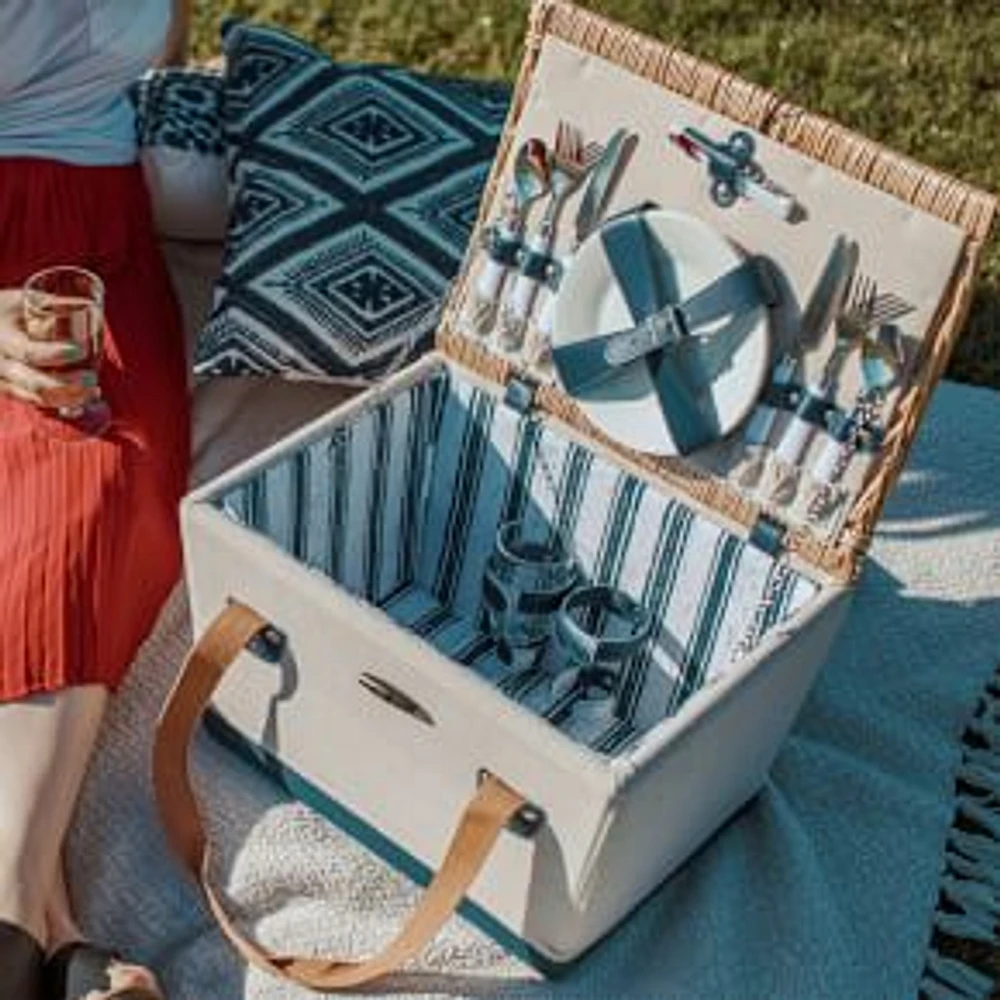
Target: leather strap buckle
x,y
527,821
268,644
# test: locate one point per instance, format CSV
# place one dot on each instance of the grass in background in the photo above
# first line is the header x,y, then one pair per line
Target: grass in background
x,y
922,76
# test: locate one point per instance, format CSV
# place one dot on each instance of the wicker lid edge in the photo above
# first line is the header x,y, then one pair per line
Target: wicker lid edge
x,y
813,135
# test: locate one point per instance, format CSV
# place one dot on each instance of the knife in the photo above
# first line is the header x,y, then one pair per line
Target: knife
x,y
593,205
825,301
827,297
601,184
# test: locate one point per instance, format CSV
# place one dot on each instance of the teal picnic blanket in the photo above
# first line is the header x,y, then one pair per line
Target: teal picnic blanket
x,y
825,888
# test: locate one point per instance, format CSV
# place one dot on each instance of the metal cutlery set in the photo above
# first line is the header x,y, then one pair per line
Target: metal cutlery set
x,y
863,320
516,288
802,435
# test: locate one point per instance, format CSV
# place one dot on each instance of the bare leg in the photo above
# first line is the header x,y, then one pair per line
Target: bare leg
x,y
61,925
45,745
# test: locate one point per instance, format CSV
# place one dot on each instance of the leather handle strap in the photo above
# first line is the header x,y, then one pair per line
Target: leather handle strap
x,y
488,812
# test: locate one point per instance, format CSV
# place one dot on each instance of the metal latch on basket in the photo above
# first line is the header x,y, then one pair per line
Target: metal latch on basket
x,y
268,644
527,821
768,534
395,697
520,393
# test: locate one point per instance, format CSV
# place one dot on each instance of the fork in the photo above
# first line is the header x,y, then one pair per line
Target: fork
x,y
572,160
864,309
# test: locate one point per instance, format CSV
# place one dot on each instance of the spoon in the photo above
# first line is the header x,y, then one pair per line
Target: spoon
x,y
532,173
568,165
531,180
883,358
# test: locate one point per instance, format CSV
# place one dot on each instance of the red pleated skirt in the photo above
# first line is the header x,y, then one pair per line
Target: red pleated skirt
x,y
89,546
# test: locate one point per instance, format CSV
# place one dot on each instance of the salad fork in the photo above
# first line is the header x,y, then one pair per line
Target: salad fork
x,y
864,310
572,160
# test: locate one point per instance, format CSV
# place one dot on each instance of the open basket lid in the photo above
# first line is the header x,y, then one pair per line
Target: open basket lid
x,y
919,234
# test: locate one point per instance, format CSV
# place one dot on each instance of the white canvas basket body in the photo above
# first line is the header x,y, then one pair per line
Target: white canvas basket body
x,y
616,823
361,541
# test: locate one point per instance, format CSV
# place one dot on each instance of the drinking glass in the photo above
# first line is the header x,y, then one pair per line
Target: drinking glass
x,y
67,304
599,629
527,576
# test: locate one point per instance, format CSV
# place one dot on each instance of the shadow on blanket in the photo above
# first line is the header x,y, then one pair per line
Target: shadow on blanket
x,y
884,719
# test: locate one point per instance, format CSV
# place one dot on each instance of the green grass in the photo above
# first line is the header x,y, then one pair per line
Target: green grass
x,y
923,76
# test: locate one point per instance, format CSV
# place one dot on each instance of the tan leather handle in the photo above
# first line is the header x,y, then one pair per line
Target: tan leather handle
x,y
488,812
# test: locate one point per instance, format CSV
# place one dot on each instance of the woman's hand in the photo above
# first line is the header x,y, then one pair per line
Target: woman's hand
x,y
29,368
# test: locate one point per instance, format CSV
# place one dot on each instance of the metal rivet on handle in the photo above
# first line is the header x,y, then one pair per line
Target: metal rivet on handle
x,y
527,821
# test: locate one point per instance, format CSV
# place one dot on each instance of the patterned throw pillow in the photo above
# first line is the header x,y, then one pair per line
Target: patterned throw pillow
x,y
180,107
179,126
354,190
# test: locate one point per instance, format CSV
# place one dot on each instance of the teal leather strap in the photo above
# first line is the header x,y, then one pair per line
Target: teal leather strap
x,y
645,274
587,364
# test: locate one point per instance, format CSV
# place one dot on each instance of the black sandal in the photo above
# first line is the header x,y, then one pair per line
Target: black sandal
x,y
77,969
21,959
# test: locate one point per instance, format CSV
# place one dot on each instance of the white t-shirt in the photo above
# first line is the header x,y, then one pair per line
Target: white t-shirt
x,y
64,68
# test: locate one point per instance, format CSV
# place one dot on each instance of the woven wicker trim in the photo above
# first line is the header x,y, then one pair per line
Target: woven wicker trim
x,y
815,136
701,486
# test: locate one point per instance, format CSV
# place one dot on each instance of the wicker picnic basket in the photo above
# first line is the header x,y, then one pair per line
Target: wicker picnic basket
x,y
352,553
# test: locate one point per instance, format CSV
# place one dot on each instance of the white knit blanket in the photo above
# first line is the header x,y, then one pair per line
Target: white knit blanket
x,y
823,888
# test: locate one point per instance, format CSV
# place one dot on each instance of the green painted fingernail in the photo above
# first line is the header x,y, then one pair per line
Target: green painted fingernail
x,y
73,352
89,379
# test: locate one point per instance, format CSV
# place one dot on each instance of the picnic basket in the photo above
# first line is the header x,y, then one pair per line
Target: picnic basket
x,y
335,578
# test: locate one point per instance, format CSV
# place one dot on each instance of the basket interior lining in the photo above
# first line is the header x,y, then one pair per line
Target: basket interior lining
x,y
401,505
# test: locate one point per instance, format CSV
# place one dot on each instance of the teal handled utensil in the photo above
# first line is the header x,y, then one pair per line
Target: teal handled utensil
x,y
603,178
861,428
882,364
865,310
530,181
570,162
824,303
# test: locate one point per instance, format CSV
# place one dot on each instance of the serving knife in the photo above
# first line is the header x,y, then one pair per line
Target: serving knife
x,y
824,303
827,298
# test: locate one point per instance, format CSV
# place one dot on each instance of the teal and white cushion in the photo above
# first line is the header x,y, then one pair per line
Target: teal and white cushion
x,y
180,108
178,114
401,508
354,191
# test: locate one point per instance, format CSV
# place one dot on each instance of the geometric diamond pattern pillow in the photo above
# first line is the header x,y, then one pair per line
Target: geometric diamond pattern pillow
x,y
180,108
178,112
353,190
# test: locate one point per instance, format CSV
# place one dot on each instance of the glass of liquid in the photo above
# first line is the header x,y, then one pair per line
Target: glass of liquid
x,y
599,629
67,304
528,573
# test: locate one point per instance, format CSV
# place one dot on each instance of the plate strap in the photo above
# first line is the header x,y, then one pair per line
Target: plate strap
x,y
645,274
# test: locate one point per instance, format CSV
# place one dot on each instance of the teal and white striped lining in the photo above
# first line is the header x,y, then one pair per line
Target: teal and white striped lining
x,y
401,507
